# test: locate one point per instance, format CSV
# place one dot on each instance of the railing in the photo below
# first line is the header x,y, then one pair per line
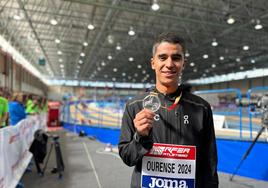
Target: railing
x,y
97,113
222,104
251,114
101,113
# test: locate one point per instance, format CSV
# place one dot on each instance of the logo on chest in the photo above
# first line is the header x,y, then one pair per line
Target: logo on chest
x,y
156,117
186,119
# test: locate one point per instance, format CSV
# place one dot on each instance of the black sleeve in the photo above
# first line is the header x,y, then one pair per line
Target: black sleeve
x,y
132,146
211,175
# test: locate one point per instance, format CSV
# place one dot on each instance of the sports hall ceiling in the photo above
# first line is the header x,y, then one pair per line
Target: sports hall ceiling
x,y
94,42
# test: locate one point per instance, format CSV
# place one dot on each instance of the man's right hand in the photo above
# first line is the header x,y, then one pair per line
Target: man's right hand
x,y
143,122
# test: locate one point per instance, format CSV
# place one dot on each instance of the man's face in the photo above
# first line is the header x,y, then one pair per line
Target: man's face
x,y
168,62
20,98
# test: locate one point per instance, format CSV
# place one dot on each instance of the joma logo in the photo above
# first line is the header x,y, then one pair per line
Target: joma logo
x,y
167,183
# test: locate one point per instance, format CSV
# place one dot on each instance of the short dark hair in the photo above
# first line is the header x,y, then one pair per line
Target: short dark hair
x,y
170,38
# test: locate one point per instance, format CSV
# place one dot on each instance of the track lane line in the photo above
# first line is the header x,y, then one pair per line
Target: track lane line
x,y
92,165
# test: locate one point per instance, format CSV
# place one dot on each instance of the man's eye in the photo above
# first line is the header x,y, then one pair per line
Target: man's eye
x,y
177,57
162,58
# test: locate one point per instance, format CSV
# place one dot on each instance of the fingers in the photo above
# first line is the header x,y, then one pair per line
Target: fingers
x,y
143,122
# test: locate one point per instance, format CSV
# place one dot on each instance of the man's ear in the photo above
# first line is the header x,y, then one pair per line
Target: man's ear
x,y
184,63
152,63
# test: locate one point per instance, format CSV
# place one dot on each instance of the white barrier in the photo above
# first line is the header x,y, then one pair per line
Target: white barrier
x,y
14,145
219,121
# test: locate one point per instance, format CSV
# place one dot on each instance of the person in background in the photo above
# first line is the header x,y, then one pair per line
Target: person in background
x,y
44,105
183,120
29,104
3,109
32,105
16,109
37,104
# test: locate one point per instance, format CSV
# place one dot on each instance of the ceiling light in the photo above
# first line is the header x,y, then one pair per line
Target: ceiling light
x,y
155,6
91,26
221,58
123,74
136,74
53,22
192,64
139,66
246,47
60,60
99,69
252,61
114,79
118,47
214,43
213,65
110,57
103,63
110,39
238,59
230,20
195,70
80,61
59,52
205,56
258,25
241,68
61,66
115,69
85,44
57,41
18,16
144,72
105,76
131,32
131,59
78,67
187,54
82,54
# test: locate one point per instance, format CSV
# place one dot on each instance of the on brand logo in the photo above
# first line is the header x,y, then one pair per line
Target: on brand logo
x,y
156,117
186,119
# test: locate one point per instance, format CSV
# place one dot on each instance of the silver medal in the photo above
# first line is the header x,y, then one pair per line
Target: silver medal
x,y
151,102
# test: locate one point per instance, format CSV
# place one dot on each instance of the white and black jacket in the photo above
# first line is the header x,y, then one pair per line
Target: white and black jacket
x,y
173,129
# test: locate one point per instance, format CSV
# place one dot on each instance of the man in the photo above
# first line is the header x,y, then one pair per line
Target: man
x,y
183,120
3,109
16,109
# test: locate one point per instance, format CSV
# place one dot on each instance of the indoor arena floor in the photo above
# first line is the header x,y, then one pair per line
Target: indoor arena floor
x,y
88,165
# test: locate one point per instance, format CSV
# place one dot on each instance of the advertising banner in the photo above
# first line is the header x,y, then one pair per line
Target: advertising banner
x,y
167,165
15,143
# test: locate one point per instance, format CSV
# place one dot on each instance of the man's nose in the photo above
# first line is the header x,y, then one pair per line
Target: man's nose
x,y
169,62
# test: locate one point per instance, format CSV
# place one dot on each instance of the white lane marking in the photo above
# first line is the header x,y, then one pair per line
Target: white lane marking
x,y
92,165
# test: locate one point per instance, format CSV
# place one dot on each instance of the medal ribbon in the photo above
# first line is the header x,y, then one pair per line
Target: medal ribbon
x,y
174,104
